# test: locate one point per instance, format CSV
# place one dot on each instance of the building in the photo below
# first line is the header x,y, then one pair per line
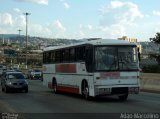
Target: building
x,y
132,40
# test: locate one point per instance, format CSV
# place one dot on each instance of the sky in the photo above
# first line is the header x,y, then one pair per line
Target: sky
x,y
77,19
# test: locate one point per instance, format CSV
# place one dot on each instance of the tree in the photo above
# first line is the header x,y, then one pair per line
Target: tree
x,y
156,40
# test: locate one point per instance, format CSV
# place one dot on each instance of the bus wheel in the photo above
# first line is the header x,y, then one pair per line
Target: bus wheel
x,y
123,97
85,90
54,85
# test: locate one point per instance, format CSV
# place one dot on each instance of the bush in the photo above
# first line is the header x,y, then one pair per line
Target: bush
x,y
151,69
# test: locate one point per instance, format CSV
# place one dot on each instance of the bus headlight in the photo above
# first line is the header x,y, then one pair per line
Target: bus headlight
x,y
134,90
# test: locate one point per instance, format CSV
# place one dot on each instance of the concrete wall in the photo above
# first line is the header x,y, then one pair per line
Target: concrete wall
x,y
150,81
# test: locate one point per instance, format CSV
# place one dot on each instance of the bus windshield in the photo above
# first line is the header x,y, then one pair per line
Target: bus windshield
x,y
116,58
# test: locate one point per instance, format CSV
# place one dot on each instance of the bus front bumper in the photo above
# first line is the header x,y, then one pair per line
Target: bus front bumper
x,y
116,90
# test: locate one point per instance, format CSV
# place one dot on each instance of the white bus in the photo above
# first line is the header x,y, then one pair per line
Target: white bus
x,y
93,68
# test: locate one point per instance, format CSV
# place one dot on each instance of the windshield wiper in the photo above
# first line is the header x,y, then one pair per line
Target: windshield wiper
x,y
123,64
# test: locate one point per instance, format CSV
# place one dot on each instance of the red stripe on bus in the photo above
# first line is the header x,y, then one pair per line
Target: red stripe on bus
x,y
66,68
68,89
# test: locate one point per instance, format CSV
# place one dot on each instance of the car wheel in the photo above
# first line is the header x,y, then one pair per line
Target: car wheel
x,y
26,90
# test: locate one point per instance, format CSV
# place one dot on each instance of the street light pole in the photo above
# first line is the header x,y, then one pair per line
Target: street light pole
x,y
19,30
26,34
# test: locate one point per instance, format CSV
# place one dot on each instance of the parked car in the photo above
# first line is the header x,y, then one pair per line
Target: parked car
x,y
14,81
35,74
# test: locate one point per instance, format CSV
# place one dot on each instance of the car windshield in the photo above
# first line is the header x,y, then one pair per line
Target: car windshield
x,y
16,76
114,58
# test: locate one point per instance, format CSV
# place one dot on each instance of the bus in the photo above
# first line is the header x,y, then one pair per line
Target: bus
x,y
93,68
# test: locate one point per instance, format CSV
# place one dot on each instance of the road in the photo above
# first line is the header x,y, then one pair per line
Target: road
x,y
40,101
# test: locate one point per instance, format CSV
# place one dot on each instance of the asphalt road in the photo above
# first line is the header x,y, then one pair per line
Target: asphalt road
x,y
40,102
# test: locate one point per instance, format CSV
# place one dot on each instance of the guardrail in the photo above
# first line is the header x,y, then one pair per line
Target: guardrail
x,y
150,82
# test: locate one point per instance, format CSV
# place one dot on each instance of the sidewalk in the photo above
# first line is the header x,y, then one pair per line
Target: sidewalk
x,y
150,82
150,90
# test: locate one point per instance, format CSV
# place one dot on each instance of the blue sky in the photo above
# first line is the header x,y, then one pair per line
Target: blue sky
x,y
82,18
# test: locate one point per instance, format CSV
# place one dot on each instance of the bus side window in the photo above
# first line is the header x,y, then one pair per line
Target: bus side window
x,y
57,58
72,54
89,59
52,56
47,57
80,53
66,55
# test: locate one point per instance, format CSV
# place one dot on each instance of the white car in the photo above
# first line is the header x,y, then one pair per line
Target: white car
x,y
35,74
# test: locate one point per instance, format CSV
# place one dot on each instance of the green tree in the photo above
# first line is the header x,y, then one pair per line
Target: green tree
x,y
5,44
156,40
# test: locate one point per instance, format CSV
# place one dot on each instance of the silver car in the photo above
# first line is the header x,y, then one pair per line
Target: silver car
x,y
14,81
35,74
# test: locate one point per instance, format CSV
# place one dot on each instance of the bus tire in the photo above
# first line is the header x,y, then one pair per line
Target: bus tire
x,y
54,85
123,97
85,90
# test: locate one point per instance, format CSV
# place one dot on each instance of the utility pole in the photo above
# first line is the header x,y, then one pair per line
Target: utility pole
x,y
19,30
26,34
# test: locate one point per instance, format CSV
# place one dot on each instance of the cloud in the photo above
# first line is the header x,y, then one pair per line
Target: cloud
x,y
119,12
20,21
156,13
39,30
147,15
10,24
3,31
6,19
81,33
66,5
114,31
118,16
17,10
116,4
43,2
86,27
58,25
90,27
89,31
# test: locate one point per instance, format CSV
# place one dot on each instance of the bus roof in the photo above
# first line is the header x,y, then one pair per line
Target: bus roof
x,y
93,42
